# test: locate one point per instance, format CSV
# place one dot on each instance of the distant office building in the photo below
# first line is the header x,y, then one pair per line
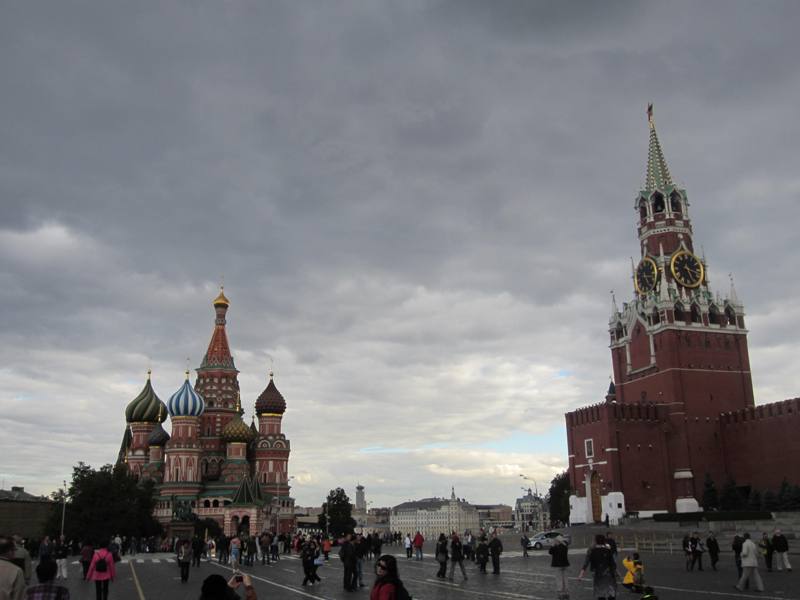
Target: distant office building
x,y
495,515
432,516
531,513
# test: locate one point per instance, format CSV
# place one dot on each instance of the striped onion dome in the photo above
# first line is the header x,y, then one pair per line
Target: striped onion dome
x,y
158,437
186,402
146,407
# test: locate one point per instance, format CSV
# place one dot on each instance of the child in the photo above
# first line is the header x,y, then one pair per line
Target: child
x,y
634,577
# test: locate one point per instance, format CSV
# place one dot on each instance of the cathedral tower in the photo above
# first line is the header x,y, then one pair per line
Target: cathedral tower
x,y
218,383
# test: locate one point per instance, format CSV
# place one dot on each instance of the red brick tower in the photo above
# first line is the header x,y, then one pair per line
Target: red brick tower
x,y
217,382
676,344
680,360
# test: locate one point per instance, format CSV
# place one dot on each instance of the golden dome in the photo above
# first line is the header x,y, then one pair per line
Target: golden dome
x,y
221,299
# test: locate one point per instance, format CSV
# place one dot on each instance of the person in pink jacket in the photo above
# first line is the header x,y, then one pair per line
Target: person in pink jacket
x,y
101,571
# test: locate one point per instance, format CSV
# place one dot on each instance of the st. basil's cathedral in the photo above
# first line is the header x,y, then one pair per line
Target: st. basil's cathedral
x,y
680,408
213,464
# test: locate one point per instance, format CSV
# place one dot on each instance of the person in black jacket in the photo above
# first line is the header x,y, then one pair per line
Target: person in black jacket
x,y
495,550
442,556
456,556
482,554
347,553
712,545
780,545
560,562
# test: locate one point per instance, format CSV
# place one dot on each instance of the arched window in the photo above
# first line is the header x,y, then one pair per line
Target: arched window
x,y
731,315
206,504
658,202
675,202
679,316
696,318
642,210
215,504
619,333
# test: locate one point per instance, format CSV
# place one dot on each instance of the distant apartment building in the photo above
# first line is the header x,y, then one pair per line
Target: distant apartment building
x,y
531,513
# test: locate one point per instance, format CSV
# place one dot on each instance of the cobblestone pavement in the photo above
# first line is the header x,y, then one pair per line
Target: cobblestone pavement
x,y
155,577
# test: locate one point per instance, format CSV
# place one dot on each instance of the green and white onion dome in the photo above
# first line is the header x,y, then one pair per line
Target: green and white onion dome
x,y
146,407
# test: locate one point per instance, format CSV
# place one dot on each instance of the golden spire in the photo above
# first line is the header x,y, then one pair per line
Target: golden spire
x,y
221,300
186,372
238,402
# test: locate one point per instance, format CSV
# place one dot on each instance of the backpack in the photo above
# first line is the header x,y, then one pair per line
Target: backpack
x,y
101,566
401,593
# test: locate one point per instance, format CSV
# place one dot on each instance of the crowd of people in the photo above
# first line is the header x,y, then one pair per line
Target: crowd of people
x,y
358,554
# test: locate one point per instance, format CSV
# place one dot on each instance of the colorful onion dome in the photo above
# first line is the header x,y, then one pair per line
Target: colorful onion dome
x,y
186,402
236,430
158,437
146,407
271,400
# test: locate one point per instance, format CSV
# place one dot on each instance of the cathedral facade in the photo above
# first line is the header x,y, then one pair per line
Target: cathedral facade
x,y
212,464
680,405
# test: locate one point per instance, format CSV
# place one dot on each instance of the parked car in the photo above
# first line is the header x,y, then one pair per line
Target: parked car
x,y
546,539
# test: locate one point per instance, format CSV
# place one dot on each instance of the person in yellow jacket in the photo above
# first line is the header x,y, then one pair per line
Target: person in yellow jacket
x,y
634,576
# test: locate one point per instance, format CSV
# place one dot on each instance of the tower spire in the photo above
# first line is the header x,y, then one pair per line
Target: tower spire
x,y
657,176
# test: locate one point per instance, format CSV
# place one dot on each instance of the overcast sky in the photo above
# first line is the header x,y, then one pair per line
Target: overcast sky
x,y
419,210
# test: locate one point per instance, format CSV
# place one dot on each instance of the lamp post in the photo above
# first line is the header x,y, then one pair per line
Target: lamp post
x,y
63,506
526,478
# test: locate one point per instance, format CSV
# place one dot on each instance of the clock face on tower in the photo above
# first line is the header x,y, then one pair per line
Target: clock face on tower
x,y
686,269
646,275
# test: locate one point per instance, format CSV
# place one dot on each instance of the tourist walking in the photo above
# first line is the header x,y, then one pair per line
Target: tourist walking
x,y
326,548
407,544
198,548
45,548
749,565
736,546
87,552
12,579
223,549
696,548
634,573
765,545
560,561
102,570
347,554
524,541
47,589
495,550
456,556
387,584
600,560
185,554
308,555
712,545
236,552
441,556
482,554
22,558
780,545
686,545
418,542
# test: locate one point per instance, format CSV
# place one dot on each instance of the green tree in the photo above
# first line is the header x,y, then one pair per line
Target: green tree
x,y
207,527
754,500
710,495
770,501
731,498
104,502
336,517
558,498
784,495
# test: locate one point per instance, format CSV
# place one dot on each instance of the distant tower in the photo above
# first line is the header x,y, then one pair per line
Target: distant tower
x,y
361,502
218,383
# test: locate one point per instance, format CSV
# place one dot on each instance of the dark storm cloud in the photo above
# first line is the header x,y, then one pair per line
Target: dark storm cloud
x,y
419,209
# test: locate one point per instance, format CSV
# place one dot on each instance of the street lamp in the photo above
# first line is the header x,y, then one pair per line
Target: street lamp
x,y
526,478
63,506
